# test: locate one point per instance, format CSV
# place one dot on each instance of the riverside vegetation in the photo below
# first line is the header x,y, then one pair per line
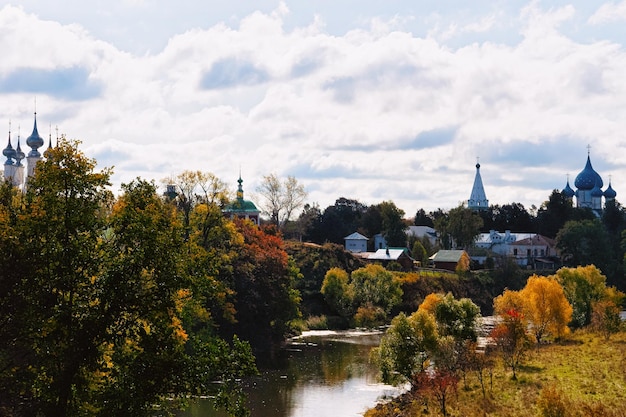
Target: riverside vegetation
x,y
582,375
530,365
131,304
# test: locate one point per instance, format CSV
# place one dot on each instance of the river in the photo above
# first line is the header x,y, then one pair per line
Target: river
x,y
321,373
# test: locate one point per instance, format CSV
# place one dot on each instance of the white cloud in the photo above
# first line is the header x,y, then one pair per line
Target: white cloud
x,y
609,12
377,113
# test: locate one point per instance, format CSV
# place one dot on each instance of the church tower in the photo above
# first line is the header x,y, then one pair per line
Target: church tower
x,y
13,166
589,192
35,142
241,208
478,199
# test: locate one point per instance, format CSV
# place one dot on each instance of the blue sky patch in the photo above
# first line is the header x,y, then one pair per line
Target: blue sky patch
x,y
68,83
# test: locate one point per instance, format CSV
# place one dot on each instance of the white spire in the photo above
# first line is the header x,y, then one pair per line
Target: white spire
x,y
478,199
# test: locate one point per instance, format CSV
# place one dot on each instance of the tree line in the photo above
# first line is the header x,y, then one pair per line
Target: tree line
x,y
123,305
581,235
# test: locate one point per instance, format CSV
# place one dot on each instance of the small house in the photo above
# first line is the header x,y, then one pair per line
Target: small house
x,y
399,255
356,243
451,259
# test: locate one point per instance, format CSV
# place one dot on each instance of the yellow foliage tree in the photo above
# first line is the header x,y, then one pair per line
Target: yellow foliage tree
x,y
430,303
509,300
543,304
546,307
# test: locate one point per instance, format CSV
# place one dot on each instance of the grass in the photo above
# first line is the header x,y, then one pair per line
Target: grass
x,y
584,375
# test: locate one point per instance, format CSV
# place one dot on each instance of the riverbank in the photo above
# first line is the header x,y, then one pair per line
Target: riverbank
x,y
584,374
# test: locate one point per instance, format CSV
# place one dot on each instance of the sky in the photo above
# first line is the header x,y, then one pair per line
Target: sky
x,y
369,100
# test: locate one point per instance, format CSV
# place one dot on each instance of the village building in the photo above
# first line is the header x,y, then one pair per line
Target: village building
x,y
535,251
451,259
356,243
241,208
400,255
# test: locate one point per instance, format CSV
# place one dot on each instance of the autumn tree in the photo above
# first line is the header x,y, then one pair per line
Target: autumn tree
x,y
192,188
605,318
155,353
281,198
264,281
583,286
546,307
541,303
511,339
439,384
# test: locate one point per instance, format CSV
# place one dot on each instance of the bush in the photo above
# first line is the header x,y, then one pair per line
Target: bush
x,y
370,316
552,402
317,323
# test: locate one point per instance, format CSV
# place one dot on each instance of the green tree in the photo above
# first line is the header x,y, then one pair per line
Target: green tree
x,y
457,318
419,253
583,286
61,224
553,214
393,225
338,292
406,347
584,242
458,228
422,219
376,286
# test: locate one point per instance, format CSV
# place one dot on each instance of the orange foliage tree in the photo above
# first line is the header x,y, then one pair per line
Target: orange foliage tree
x,y
511,339
546,307
543,303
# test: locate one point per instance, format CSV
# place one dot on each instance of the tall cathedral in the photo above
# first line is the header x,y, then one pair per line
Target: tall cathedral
x,y
478,199
13,166
589,192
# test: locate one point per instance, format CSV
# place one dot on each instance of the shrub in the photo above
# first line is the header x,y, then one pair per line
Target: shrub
x,y
552,402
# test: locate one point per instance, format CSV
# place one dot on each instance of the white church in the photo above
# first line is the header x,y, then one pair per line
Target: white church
x,y
14,169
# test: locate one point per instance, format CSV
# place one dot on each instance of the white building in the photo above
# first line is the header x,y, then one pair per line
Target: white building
x,y
13,166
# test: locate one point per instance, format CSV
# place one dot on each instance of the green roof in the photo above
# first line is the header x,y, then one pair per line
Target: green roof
x,y
447,256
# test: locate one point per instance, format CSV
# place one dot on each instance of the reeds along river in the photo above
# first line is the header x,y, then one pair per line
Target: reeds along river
x,y
320,374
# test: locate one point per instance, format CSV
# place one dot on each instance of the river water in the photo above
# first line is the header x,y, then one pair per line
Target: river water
x,y
321,374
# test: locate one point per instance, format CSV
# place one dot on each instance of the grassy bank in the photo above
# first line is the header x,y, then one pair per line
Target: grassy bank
x,y
584,375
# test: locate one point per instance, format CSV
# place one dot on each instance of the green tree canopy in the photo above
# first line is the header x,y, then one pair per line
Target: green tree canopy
x,y
584,242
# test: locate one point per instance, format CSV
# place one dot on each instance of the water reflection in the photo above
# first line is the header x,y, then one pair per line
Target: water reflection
x,y
321,374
